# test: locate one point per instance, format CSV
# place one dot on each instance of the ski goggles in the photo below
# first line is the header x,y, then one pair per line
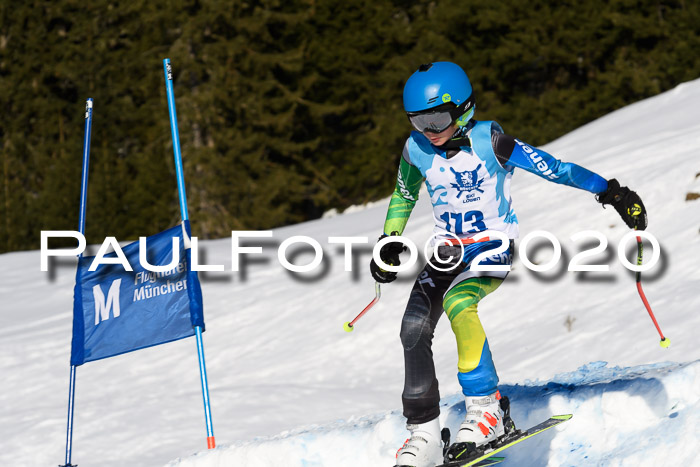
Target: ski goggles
x,y
438,119
433,122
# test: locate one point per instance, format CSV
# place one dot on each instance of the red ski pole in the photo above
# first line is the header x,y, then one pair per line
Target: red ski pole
x,y
349,326
665,342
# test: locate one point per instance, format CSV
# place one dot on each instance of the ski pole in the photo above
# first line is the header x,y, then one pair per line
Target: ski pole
x,y
349,326
665,342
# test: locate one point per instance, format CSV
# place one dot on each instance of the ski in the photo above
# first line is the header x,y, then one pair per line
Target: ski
x,y
490,461
463,454
484,463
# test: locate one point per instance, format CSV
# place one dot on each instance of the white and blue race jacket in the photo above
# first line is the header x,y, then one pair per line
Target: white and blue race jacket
x,y
469,180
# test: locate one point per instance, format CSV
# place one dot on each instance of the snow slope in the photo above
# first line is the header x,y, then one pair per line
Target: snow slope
x,y
645,415
279,361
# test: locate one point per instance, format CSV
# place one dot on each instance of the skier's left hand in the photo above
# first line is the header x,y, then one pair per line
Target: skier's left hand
x,y
627,204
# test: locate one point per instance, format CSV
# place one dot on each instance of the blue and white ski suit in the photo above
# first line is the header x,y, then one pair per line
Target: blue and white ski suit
x,y
468,181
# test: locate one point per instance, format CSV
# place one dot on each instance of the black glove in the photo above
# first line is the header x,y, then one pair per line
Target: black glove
x,y
390,255
627,204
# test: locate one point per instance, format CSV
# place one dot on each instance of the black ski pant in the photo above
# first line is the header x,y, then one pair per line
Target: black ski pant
x,y
421,395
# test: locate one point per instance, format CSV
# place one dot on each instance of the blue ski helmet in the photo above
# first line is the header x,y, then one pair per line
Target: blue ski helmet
x,y
438,95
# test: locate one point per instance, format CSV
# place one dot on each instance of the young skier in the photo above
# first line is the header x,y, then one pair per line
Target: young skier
x,y
467,166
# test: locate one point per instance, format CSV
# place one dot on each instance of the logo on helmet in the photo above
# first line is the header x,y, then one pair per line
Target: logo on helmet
x,y
446,98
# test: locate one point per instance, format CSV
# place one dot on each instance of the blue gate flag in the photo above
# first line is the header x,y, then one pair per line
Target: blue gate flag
x,y
117,311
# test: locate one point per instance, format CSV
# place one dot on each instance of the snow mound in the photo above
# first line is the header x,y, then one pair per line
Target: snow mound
x,y
634,416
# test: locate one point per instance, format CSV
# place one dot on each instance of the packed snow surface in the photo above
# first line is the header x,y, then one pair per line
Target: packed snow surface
x,y
645,415
289,387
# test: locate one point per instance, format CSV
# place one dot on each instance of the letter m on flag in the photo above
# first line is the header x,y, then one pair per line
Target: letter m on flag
x,y
102,305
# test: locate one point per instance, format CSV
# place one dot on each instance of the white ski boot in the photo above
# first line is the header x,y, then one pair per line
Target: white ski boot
x,y
423,448
484,420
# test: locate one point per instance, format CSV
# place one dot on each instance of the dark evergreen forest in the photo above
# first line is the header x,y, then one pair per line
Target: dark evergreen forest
x,y
289,108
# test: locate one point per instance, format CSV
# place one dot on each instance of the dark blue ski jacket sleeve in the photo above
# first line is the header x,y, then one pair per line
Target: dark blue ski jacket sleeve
x,y
513,152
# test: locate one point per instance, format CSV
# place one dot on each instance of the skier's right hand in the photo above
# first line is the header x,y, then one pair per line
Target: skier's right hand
x,y
389,255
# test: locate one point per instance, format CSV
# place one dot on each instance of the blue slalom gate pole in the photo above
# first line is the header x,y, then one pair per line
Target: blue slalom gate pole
x,y
167,69
86,164
176,138
81,228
